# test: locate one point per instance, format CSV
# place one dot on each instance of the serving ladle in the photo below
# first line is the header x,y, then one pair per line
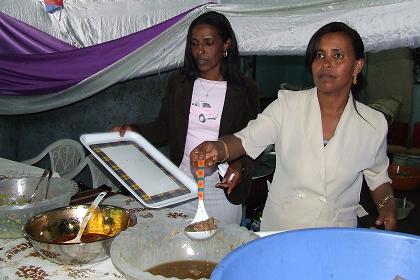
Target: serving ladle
x,y
201,214
87,217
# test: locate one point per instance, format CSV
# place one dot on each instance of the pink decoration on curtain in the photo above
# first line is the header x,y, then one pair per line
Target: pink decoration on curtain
x,y
53,5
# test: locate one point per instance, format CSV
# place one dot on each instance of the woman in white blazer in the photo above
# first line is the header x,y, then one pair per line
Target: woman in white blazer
x,y
325,142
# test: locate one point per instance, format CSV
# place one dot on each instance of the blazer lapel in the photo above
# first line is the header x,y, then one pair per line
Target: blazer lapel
x,y
335,146
182,103
233,102
314,137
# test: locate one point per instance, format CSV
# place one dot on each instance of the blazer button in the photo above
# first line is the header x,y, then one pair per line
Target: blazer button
x,y
321,198
301,194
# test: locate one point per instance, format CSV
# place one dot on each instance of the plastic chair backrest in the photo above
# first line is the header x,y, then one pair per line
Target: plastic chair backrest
x,y
65,155
100,176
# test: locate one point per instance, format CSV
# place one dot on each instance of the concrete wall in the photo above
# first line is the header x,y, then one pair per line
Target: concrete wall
x,y
137,100
272,71
391,73
8,136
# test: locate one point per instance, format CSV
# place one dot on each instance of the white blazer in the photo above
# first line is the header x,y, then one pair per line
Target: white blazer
x,y
313,185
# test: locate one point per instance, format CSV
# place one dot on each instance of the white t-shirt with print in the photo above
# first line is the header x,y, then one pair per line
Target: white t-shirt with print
x,y
206,110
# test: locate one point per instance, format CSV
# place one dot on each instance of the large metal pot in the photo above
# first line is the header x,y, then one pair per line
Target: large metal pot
x,y
49,230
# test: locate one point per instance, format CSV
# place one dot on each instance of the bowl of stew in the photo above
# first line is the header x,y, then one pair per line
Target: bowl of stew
x,y
154,250
49,231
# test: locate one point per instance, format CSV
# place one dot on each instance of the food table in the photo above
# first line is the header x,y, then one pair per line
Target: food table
x,y
19,260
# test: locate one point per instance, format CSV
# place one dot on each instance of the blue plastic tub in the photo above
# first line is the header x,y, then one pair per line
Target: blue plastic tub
x,y
325,253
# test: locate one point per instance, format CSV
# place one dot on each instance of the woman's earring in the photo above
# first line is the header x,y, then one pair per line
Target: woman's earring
x,y
354,79
225,53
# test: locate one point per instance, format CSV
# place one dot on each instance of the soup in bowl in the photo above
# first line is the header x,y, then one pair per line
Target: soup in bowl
x,y
153,250
49,231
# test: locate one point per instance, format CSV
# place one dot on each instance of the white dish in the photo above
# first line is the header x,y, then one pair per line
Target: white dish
x,y
141,168
266,233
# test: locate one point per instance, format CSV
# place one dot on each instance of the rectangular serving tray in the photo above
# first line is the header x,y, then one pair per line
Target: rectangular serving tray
x,y
141,168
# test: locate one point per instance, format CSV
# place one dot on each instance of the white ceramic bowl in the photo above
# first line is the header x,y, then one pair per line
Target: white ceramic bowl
x,y
149,244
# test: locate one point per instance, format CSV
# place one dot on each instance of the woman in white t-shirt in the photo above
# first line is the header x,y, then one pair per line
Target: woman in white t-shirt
x,y
325,142
204,100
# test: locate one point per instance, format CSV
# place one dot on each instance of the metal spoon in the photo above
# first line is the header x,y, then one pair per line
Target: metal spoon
x,y
37,186
48,183
86,219
201,214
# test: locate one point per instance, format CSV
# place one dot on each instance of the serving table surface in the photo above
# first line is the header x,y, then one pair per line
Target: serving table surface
x,y
19,260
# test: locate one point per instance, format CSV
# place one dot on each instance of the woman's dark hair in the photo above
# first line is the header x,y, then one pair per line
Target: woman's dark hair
x,y
230,66
356,42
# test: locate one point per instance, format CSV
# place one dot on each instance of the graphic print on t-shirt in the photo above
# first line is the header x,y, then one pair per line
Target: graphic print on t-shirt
x,y
203,111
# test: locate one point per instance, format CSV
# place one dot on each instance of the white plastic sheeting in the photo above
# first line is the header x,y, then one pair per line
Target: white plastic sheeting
x,y
273,27
286,29
84,23
279,28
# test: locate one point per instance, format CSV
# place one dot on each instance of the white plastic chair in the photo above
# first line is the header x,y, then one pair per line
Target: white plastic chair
x,y
65,155
99,174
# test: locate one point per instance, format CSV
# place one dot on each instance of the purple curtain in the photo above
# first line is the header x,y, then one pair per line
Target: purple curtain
x,y
17,37
28,67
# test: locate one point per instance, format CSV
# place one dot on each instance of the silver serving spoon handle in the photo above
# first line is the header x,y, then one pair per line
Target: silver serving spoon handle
x,y
37,186
86,219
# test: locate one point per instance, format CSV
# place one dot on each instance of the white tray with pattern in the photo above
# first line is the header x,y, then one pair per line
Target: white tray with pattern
x,y
141,168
